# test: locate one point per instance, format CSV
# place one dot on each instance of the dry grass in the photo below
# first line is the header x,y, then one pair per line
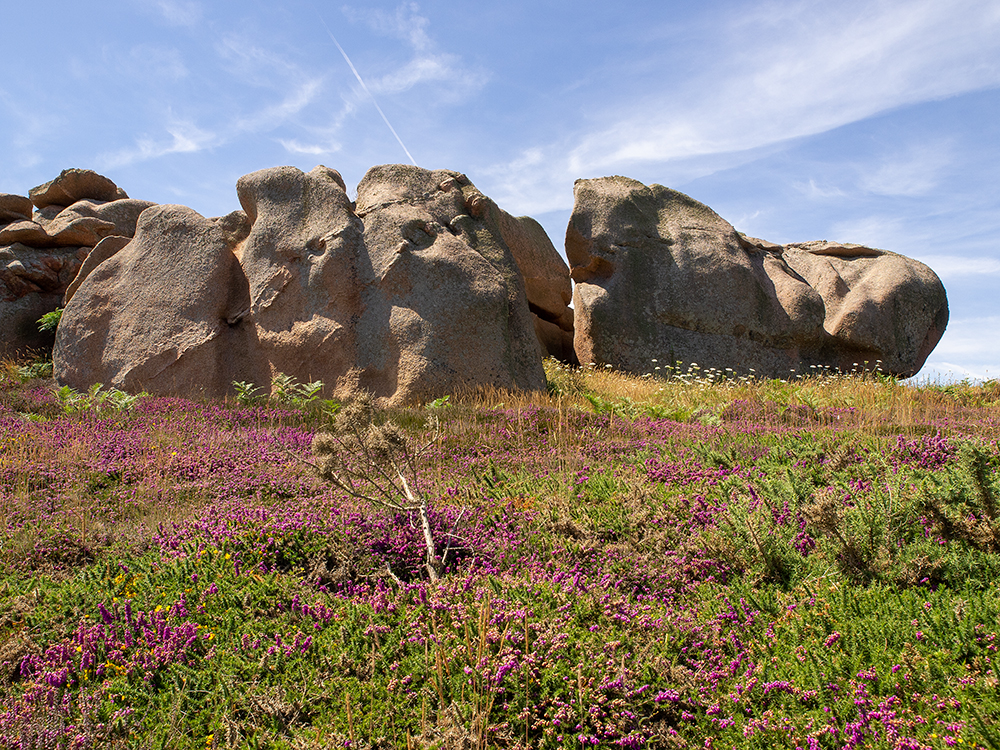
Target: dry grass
x,y
866,400
695,394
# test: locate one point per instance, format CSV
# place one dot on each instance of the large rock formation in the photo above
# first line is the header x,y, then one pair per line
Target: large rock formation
x,y
445,303
662,277
425,287
166,313
411,295
300,258
44,240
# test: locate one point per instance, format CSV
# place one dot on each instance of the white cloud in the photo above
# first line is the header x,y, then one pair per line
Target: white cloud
x,y
966,338
970,336
270,116
27,126
840,64
914,172
975,342
254,64
185,138
941,372
297,91
811,67
745,220
887,233
441,68
315,149
818,192
405,23
957,266
428,65
179,12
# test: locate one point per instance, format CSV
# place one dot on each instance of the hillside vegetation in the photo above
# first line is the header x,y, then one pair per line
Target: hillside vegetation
x,y
667,562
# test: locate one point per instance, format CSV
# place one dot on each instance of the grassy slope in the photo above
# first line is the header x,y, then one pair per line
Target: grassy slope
x,y
632,562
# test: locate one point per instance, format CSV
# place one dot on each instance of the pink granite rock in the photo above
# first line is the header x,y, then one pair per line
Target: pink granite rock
x,y
72,185
663,277
165,314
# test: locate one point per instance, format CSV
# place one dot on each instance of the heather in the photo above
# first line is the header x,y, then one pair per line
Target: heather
x,y
681,560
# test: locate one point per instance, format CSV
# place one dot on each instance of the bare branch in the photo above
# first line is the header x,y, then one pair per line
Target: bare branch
x,y
376,464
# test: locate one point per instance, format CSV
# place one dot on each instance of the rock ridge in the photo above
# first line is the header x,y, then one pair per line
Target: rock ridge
x,y
424,286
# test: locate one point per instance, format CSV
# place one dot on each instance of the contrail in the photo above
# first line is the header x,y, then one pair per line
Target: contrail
x,y
367,91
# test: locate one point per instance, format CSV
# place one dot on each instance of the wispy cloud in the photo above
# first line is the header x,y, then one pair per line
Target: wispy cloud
x,y
970,336
184,137
958,266
294,92
914,172
28,127
975,342
325,139
271,115
821,192
811,67
427,65
178,12
253,63
404,23
940,371
294,146
440,68
885,232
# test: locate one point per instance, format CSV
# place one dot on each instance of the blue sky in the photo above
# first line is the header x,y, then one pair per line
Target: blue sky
x,y
875,122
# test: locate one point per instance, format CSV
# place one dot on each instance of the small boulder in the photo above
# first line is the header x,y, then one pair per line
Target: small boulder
x,y
122,214
75,184
14,208
26,233
70,228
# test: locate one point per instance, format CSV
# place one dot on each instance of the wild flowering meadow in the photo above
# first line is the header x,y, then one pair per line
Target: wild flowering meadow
x,y
676,562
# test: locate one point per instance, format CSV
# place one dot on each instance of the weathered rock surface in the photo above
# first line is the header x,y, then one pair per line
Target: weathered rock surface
x,y
877,303
546,281
301,258
162,313
100,253
42,251
663,277
32,281
26,233
14,208
412,295
72,185
122,215
425,287
444,302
